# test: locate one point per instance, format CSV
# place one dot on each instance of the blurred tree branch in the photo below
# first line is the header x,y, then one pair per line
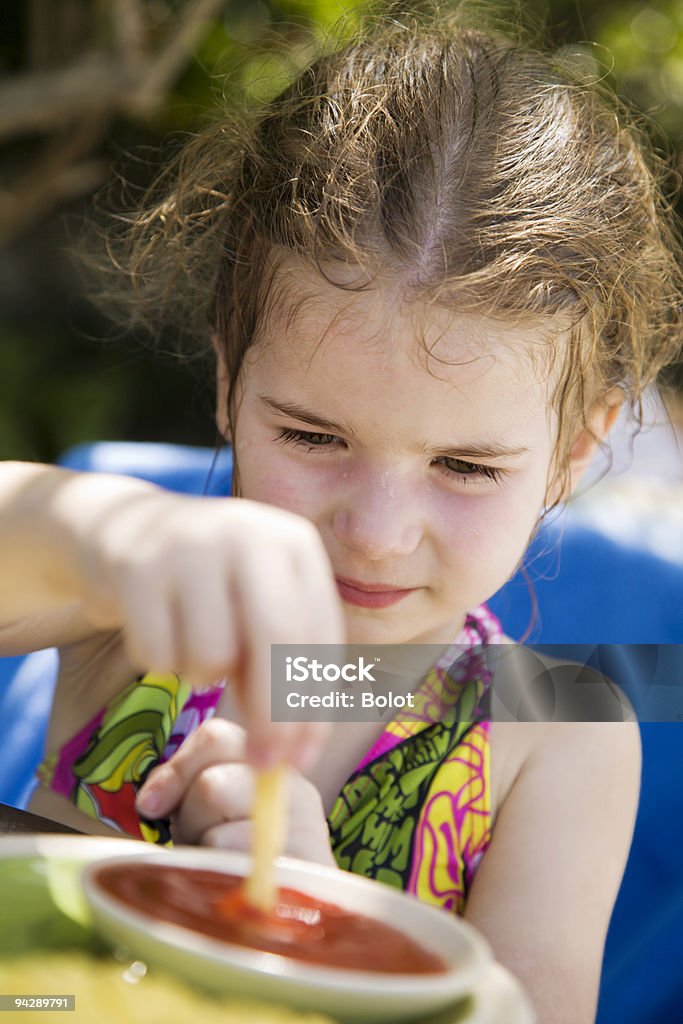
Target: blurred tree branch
x,y
111,64
80,78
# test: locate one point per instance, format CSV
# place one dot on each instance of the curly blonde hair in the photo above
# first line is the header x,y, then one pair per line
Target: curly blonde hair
x,y
487,175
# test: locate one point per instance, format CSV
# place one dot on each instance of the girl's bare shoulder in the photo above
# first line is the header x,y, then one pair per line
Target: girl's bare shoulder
x,y
535,686
545,707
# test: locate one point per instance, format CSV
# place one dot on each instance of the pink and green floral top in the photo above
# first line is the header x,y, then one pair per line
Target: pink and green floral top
x,y
415,813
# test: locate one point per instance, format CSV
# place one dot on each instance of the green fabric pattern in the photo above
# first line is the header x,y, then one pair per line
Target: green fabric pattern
x,y
373,821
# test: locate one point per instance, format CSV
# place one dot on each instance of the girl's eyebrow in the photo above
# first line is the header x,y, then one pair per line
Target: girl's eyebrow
x,y
471,450
298,412
481,450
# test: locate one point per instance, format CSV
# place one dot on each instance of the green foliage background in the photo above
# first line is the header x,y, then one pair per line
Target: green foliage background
x,y
61,383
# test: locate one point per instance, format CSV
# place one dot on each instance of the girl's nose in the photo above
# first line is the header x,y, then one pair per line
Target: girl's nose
x,y
379,518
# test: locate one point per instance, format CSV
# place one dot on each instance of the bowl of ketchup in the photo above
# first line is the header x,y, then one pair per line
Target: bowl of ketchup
x,y
334,942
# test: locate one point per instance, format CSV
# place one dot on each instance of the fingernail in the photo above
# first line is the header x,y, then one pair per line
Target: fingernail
x,y
149,801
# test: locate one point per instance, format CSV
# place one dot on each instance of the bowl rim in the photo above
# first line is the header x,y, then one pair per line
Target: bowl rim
x,y
454,979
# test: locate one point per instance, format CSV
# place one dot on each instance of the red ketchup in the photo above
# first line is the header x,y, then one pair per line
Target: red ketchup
x,y
300,926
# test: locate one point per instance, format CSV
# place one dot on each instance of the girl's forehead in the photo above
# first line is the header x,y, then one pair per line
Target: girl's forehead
x,y
318,327
402,376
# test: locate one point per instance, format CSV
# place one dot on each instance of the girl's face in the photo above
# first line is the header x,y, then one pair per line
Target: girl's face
x,y
424,473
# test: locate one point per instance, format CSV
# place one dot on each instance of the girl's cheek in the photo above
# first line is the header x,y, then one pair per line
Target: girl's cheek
x,y
467,515
494,526
287,484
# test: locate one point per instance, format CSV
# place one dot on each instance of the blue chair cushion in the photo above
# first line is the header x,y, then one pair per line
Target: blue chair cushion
x,y
591,589
176,467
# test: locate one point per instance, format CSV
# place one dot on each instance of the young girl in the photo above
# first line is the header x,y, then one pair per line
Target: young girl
x,y
437,263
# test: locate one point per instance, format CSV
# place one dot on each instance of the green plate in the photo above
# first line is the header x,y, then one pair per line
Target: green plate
x,y
41,901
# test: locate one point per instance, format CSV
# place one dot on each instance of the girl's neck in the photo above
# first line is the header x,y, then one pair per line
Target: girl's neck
x,y
441,636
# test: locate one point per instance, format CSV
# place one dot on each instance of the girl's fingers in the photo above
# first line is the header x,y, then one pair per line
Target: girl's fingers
x,y
298,607
212,801
266,617
216,742
208,637
238,835
317,583
221,793
211,591
229,835
307,839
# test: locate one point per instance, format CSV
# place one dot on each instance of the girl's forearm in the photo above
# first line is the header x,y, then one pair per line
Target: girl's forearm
x,y
48,517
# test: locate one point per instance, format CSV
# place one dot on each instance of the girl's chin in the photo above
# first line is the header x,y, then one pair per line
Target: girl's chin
x,y
363,630
370,629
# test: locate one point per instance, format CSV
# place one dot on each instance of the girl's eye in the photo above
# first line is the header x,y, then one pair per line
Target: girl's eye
x,y
306,439
465,470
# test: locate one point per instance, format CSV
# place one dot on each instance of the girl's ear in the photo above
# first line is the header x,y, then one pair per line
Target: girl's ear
x,y
600,421
222,388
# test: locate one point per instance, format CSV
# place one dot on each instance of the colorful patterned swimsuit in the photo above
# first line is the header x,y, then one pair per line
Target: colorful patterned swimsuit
x,y
415,813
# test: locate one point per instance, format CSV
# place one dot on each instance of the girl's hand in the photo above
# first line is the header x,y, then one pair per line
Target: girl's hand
x,y
207,789
201,586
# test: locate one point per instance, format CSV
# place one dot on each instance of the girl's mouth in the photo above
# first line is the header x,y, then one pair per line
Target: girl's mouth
x,y
370,595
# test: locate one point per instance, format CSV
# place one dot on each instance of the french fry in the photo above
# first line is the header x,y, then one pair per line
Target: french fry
x,y
269,832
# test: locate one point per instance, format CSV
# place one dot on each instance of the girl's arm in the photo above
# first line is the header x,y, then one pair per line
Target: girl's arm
x,y
544,891
201,586
46,514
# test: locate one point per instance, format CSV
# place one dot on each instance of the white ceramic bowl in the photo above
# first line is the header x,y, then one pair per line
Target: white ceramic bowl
x,y
348,995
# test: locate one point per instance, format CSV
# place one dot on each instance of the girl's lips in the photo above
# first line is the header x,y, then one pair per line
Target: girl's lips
x,y
370,595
